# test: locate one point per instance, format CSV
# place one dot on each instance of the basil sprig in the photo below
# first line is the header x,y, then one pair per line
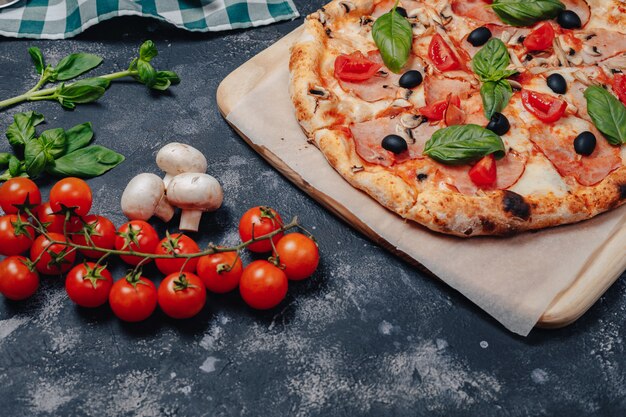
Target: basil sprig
x,y
526,12
56,151
490,64
607,113
393,36
463,144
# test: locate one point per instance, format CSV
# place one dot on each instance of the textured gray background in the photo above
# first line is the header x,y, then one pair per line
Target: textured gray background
x,y
368,335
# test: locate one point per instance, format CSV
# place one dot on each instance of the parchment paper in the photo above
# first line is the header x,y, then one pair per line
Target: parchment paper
x,y
513,279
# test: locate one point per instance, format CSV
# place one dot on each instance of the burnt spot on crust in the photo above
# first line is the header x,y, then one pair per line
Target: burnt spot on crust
x,y
515,204
622,191
488,225
468,232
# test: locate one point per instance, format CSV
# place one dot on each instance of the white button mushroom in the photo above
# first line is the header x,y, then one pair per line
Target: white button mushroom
x,y
144,197
195,193
178,158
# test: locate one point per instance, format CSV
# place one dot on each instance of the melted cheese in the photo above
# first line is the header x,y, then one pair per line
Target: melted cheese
x,y
540,178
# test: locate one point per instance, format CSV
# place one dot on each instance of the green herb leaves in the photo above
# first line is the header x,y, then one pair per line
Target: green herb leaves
x,y
59,152
393,36
37,56
490,64
463,144
607,113
74,65
526,12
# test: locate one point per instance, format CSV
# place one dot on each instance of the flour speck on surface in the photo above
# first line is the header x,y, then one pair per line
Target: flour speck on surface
x,y
539,376
208,365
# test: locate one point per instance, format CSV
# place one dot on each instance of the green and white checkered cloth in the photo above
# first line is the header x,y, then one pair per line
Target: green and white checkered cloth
x,y
58,19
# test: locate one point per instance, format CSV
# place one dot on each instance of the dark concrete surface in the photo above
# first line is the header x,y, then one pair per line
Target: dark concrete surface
x,y
367,335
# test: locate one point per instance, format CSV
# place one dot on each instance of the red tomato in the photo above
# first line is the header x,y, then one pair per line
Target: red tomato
x,y
17,281
544,106
71,193
258,222
18,191
133,299
52,222
263,285
619,86
88,285
180,244
299,255
101,232
540,38
181,296
442,55
55,258
437,110
355,67
220,272
15,235
484,173
138,236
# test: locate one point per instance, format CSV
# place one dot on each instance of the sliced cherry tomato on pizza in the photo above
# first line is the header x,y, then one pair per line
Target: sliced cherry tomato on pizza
x,y
545,107
619,86
437,110
484,173
355,67
540,38
441,55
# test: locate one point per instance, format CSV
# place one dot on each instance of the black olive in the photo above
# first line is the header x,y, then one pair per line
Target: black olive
x,y
585,143
401,11
568,19
410,79
557,83
479,36
499,124
395,144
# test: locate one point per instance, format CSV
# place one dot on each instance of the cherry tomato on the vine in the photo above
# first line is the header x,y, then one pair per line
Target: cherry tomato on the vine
x,y
258,222
220,272
18,191
52,222
72,193
55,258
138,236
180,244
16,236
88,284
17,281
181,295
133,298
299,255
263,285
101,232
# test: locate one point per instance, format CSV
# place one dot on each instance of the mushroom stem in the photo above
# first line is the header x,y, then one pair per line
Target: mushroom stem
x,y
167,178
164,210
190,219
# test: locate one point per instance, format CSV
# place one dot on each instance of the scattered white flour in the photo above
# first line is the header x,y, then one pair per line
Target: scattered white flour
x,y
385,327
208,365
48,396
539,376
484,344
441,344
8,326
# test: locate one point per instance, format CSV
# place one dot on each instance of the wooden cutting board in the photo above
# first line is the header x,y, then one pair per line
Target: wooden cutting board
x,y
600,272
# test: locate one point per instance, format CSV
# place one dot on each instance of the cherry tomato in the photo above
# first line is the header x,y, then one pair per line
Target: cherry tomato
x,y
257,222
263,285
133,299
299,255
442,55
101,232
15,235
52,222
180,244
71,193
544,106
220,272
18,191
181,296
17,281
136,235
57,257
484,173
619,86
540,38
437,110
88,285
355,67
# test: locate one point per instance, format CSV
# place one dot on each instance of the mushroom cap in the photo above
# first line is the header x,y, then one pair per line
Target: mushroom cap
x,y
176,158
142,195
195,191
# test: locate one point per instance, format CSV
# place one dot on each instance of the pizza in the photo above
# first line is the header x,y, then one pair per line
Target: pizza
x,y
470,117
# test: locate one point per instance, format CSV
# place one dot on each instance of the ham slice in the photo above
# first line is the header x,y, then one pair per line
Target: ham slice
x,y
382,86
478,10
580,7
600,45
437,88
556,143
